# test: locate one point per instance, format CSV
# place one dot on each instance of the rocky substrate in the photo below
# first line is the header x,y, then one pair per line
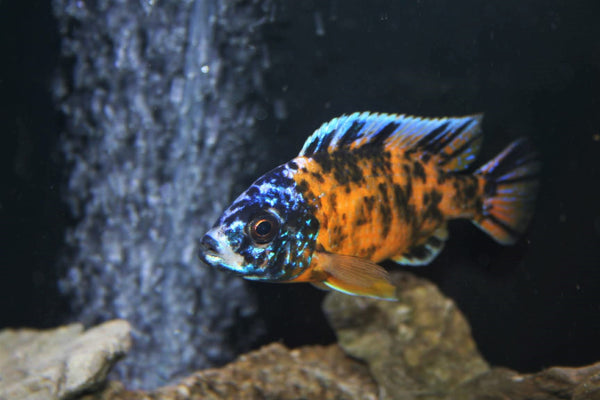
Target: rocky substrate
x,y
417,348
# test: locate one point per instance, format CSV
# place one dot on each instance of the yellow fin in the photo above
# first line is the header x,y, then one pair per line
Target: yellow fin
x,y
356,276
321,285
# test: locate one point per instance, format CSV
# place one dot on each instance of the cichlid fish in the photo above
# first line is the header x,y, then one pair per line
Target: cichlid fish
x,y
368,187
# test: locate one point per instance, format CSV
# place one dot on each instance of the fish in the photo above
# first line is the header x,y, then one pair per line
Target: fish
x,y
368,187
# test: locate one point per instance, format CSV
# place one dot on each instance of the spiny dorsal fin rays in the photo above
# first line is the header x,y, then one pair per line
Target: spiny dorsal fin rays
x,y
454,142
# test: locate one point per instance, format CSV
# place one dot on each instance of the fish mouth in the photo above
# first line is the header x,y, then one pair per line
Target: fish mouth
x,y
209,251
213,252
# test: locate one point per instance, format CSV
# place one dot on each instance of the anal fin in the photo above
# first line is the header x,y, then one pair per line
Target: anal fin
x,y
424,253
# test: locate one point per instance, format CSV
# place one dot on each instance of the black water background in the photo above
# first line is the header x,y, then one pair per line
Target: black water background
x,y
33,219
532,66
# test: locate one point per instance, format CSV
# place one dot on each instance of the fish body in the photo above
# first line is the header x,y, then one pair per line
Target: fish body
x,y
369,187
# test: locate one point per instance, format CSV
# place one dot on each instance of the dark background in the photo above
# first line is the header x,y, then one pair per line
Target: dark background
x,y
533,67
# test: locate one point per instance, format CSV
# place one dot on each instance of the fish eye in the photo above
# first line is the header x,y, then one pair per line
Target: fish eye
x,y
263,228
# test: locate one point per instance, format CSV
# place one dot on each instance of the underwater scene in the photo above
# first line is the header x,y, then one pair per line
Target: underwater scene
x,y
280,199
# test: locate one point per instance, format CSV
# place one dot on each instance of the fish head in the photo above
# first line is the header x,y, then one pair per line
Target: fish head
x,y
268,233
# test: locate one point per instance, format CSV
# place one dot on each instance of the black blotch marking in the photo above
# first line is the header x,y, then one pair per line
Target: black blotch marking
x,y
302,186
351,134
333,202
401,202
311,147
317,176
326,141
381,164
292,165
426,157
432,211
369,202
379,139
466,189
449,137
479,204
428,141
419,171
383,190
378,159
361,218
434,145
412,221
252,191
385,219
441,178
470,189
434,242
408,190
385,210
343,164
369,251
400,199
337,235
419,252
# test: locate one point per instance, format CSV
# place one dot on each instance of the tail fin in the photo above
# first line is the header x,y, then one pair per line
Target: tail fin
x,y
511,184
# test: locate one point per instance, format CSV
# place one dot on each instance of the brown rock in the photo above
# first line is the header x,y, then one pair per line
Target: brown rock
x,y
417,347
59,363
273,372
556,383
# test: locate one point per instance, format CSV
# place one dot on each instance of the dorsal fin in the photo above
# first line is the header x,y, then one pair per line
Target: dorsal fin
x,y
453,141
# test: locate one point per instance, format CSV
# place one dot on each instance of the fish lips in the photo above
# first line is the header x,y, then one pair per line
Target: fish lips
x,y
213,253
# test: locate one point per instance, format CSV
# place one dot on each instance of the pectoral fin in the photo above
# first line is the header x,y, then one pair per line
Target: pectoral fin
x,y
356,276
321,285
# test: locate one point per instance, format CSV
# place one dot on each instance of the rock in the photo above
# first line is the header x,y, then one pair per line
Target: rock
x,y
421,348
418,348
273,372
556,383
59,363
420,344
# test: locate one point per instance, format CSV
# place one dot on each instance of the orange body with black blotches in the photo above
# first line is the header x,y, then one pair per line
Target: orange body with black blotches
x,y
397,203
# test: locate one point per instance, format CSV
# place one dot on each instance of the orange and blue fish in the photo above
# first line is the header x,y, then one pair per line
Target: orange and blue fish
x,y
369,187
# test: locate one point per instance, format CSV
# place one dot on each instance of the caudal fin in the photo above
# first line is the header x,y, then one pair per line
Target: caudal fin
x,y
510,189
